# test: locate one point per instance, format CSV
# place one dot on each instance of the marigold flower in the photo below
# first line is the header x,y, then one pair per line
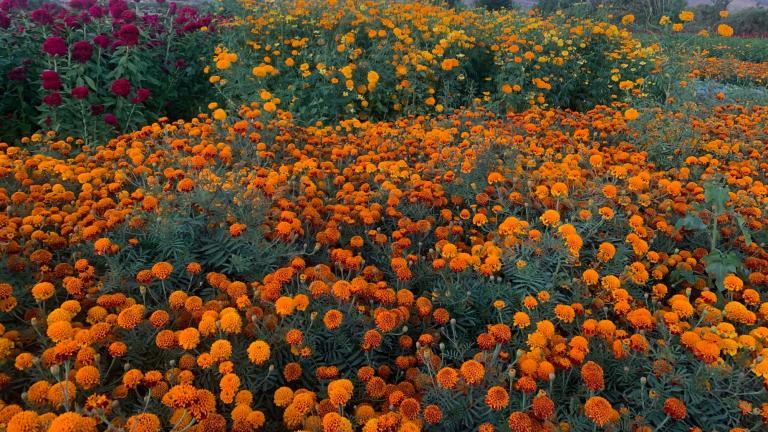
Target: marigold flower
x,y
675,408
543,407
340,391
472,371
497,398
43,291
87,377
598,410
447,377
162,270
592,374
520,422
144,422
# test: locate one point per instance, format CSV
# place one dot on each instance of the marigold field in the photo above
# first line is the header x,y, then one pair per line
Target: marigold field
x,y
383,217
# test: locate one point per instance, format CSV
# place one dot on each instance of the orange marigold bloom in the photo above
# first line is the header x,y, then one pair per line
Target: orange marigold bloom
x,y
641,319
340,391
521,320
188,338
43,291
258,352
24,421
71,422
732,282
410,408
497,398
292,371
592,374
447,377
144,422
472,371
675,408
598,410
162,270
332,319
520,422
550,218
565,313
294,337
543,407
87,377
433,414
131,317
333,422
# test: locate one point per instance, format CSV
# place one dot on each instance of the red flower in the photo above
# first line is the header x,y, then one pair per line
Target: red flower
x,y
53,99
128,34
51,80
142,95
110,119
80,92
41,16
82,51
55,46
121,87
102,41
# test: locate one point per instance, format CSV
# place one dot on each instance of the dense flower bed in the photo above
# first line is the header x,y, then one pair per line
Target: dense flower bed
x,y
90,69
379,59
542,270
731,70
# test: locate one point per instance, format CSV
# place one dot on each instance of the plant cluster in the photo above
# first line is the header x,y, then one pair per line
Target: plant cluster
x,y
91,69
731,70
546,270
325,60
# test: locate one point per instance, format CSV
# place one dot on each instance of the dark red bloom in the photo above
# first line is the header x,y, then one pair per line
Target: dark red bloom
x,y
19,73
128,15
82,51
97,109
110,119
8,5
128,34
96,11
121,87
41,16
53,99
116,8
71,21
80,92
51,80
5,22
55,46
102,41
142,94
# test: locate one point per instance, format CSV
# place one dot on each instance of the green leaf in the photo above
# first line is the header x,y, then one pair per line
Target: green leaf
x,y
690,222
719,265
89,81
717,195
744,229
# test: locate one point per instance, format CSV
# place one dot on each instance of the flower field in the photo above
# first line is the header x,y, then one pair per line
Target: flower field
x,y
386,217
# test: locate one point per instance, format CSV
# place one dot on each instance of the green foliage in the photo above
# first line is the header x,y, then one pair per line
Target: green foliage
x,y
162,62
